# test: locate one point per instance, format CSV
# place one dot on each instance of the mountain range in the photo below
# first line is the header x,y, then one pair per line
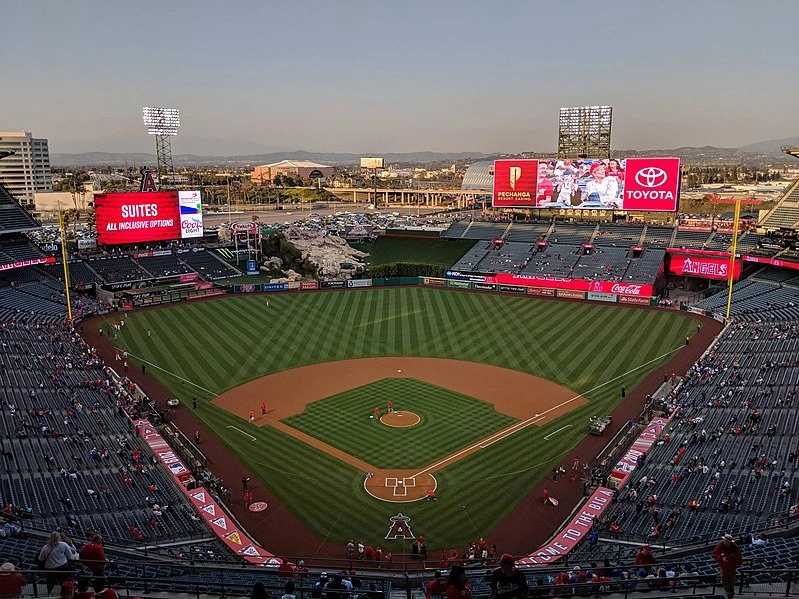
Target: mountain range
x,y
756,153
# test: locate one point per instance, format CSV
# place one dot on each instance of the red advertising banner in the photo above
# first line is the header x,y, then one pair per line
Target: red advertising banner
x,y
771,261
652,184
210,511
692,252
703,267
643,289
308,285
189,277
645,440
575,531
23,263
516,184
137,217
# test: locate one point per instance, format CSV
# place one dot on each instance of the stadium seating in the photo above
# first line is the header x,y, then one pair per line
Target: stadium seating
x,y
163,266
785,215
568,234
689,238
456,229
522,232
119,269
554,260
13,217
618,235
486,230
68,446
604,263
79,272
644,269
207,264
658,236
17,248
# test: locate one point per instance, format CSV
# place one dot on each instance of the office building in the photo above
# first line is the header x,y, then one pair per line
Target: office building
x,y
28,170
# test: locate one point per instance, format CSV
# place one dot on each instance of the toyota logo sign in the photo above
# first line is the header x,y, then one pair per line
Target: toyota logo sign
x,y
651,177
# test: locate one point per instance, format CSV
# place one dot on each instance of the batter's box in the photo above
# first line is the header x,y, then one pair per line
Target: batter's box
x,y
391,482
409,482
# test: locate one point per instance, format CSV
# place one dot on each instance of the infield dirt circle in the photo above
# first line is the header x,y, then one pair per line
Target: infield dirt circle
x,y
400,419
529,399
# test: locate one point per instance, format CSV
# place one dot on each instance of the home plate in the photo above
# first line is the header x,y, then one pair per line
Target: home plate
x,y
399,370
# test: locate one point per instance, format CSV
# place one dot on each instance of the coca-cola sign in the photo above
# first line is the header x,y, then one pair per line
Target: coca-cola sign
x,y
626,289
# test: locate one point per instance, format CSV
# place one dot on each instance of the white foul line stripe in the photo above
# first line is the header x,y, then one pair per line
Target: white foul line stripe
x,y
235,428
562,428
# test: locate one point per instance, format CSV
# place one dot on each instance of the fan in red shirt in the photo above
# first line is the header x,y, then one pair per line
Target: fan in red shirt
x,y
458,586
93,556
11,582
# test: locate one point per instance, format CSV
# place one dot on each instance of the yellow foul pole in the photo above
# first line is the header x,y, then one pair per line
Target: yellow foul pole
x,y
732,254
64,257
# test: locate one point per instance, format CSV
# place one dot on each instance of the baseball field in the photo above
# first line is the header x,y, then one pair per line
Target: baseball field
x,y
488,393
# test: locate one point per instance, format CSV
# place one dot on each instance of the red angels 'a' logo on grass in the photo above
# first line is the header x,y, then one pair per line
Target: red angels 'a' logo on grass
x,y
400,528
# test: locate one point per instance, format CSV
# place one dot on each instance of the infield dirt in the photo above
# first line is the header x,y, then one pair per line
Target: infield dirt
x,y
530,399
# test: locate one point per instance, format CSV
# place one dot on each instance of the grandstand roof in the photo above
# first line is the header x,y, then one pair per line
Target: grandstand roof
x,y
479,176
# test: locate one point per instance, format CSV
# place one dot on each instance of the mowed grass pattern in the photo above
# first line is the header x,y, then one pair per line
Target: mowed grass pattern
x,y
220,344
449,422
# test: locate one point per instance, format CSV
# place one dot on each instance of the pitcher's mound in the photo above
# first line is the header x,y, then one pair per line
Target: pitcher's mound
x,y
399,419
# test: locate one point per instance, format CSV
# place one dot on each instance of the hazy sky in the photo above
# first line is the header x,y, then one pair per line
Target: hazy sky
x,y
378,76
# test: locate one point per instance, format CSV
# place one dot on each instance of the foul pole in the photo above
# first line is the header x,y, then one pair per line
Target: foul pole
x,y
64,257
731,276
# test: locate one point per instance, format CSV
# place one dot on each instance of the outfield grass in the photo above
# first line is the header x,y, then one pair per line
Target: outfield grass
x,y
220,344
449,422
441,252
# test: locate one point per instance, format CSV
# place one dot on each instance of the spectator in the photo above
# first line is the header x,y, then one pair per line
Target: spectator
x,y
645,558
93,558
259,591
436,587
288,590
54,558
83,590
458,586
728,556
507,582
11,582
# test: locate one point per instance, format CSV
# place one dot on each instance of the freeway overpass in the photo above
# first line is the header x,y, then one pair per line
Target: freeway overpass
x,y
454,198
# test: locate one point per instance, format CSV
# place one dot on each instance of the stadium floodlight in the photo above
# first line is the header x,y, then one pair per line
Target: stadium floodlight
x,y
584,132
161,121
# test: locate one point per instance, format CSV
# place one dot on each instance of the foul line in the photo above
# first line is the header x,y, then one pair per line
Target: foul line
x,y
235,428
151,365
515,428
562,428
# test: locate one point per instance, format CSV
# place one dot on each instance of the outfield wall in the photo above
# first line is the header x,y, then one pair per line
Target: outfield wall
x,y
594,296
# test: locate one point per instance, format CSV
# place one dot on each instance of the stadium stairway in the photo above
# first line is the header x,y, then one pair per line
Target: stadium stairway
x,y
466,230
592,239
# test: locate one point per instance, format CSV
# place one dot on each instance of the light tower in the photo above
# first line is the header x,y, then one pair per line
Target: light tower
x,y
584,132
163,123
